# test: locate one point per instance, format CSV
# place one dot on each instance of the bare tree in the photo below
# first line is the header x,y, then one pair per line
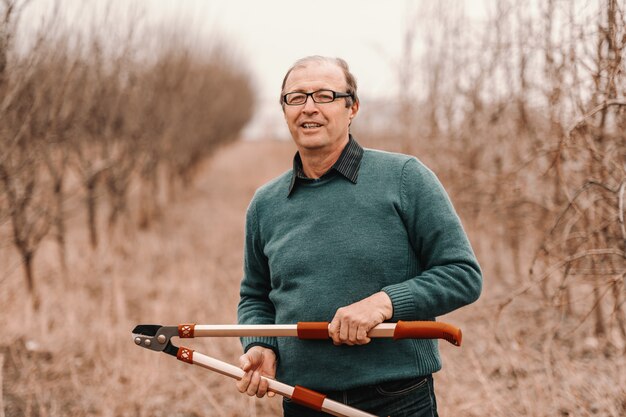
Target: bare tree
x,y
110,116
23,184
28,203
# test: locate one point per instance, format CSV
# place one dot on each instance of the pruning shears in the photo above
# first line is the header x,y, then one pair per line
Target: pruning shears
x,y
158,338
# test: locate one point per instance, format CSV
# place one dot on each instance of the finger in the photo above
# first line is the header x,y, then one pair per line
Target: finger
x,y
361,336
254,383
242,384
344,332
333,331
353,333
255,357
267,384
262,388
244,362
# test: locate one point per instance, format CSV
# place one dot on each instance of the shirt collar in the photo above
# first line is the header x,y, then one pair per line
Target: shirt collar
x,y
347,165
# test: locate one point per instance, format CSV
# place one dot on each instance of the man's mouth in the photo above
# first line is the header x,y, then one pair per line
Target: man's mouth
x,y
311,125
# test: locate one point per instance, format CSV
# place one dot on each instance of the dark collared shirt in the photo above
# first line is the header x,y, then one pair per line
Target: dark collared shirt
x,y
347,165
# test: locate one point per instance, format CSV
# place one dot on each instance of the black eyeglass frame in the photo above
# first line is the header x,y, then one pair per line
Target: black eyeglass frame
x,y
336,95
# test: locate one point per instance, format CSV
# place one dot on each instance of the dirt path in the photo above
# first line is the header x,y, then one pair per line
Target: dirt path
x,y
224,193
76,357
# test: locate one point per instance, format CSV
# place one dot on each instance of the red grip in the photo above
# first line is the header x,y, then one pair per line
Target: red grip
x,y
307,397
428,330
186,330
313,330
185,354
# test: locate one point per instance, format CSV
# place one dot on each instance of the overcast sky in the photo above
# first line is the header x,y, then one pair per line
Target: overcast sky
x,y
269,35
272,34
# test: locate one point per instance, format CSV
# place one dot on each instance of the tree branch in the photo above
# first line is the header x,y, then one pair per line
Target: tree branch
x,y
598,108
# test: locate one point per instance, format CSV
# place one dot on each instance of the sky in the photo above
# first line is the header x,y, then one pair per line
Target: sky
x,y
270,35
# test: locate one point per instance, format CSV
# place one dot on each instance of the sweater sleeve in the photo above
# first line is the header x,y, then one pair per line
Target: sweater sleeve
x,y
450,275
255,307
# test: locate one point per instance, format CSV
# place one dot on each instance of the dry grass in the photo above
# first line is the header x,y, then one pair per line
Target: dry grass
x,y
523,123
76,356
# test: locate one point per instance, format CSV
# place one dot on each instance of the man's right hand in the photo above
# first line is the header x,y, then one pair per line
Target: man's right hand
x,y
257,362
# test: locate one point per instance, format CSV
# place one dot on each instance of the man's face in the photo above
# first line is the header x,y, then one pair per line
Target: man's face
x,y
318,126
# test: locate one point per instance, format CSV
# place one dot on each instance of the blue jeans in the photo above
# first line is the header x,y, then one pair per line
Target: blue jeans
x,y
413,397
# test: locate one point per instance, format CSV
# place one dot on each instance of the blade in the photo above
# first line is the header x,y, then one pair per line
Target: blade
x,y
146,329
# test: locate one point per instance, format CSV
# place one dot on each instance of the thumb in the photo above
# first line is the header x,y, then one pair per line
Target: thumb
x,y
244,362
253,359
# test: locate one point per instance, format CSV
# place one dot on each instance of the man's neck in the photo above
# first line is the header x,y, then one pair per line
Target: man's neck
x,y
317,162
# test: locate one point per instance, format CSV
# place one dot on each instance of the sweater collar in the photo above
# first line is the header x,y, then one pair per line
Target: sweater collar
x,y
347,165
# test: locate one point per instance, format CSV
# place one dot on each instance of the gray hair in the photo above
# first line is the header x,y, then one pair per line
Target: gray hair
x,y
350,79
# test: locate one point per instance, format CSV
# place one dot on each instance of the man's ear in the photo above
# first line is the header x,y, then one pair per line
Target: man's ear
x,y
354,109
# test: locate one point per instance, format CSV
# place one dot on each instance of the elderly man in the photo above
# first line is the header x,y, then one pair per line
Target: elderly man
x,y
352,236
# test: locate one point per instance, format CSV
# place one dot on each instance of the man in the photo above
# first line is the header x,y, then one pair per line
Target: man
x,y
355,237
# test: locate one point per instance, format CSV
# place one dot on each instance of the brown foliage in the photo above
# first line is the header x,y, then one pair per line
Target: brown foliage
x,y
524,118
84,119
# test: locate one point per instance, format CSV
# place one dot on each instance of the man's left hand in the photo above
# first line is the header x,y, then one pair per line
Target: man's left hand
x,y
352,323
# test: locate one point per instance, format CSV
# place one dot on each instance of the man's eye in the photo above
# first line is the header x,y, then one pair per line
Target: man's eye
x,y
324,96
296,98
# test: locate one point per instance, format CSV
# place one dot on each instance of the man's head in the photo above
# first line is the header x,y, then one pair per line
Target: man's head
x,y
319,121
351,86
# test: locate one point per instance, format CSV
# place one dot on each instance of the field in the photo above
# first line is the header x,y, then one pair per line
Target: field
x,y
124,181
75,357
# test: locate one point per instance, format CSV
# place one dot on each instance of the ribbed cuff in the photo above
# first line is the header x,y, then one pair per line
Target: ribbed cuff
x,y
404,307
268,342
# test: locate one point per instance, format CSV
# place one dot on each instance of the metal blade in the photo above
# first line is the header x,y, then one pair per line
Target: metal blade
x,y
146,329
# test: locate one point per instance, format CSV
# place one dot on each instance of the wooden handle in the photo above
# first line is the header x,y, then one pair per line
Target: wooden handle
x,y
303,396
319,330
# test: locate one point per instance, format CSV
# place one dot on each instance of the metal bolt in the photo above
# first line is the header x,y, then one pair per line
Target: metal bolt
x,y
138,340
147,342
161,338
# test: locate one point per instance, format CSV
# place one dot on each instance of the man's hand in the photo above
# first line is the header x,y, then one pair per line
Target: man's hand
x,y
351,323
257,362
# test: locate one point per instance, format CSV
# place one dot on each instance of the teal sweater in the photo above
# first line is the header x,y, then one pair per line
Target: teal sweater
x,y
332,243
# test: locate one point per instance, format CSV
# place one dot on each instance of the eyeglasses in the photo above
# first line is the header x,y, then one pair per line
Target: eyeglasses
x,y
319,96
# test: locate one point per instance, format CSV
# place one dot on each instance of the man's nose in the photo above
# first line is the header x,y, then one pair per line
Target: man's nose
x,y
309,105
